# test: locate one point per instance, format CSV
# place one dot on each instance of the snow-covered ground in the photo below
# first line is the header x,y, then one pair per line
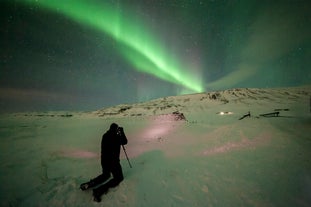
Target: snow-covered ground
x,y
189,150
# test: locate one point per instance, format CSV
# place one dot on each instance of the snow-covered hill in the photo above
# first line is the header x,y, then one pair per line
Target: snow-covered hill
x,y
208,149
240,99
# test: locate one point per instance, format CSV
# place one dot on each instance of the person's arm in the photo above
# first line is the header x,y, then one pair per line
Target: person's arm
x,y
123,138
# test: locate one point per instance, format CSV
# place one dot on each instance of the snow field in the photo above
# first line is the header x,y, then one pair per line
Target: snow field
x,y
208,160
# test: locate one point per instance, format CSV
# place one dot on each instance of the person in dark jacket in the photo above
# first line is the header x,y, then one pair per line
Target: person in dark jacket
x,y
110,162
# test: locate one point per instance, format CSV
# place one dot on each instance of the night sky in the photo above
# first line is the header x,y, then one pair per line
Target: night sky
x,y
85,55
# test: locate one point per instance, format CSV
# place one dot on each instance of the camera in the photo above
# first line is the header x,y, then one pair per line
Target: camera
x,y
119,130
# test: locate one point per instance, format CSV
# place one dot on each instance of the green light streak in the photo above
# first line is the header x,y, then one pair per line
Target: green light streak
x,y
138,46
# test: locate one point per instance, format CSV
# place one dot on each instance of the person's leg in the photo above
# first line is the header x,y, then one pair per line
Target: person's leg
x,y
100,179
117,174
96,181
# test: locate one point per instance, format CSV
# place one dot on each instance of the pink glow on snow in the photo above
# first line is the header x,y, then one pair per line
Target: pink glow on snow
x,y
156,131
159,127
245,142
78,154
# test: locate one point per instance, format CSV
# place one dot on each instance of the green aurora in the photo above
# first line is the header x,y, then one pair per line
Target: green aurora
x,y
136,43
89,54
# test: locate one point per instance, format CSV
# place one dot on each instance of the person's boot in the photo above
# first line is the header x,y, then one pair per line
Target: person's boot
x,y
96,196
98,192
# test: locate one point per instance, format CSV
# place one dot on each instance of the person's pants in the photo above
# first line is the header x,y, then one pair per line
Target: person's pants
x,y
117,177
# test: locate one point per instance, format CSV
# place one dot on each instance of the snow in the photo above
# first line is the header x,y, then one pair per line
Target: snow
x,y
189,150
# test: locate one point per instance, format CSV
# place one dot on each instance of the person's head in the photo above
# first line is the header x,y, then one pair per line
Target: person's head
x,y
114,127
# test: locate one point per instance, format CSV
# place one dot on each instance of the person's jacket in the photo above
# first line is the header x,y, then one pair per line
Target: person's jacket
x,y
110,146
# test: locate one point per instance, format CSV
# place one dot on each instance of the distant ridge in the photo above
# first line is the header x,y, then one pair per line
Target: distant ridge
x,y
171,104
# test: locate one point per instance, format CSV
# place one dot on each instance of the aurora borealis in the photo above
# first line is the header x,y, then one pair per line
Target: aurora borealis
x,y
149,57
84,55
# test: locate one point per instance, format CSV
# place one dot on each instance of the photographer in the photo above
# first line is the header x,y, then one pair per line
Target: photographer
x,y
110,162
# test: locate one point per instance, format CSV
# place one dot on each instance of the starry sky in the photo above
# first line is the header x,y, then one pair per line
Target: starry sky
x,y
87,54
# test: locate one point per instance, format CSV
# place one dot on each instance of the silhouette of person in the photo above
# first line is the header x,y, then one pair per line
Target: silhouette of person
x,y
110,162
